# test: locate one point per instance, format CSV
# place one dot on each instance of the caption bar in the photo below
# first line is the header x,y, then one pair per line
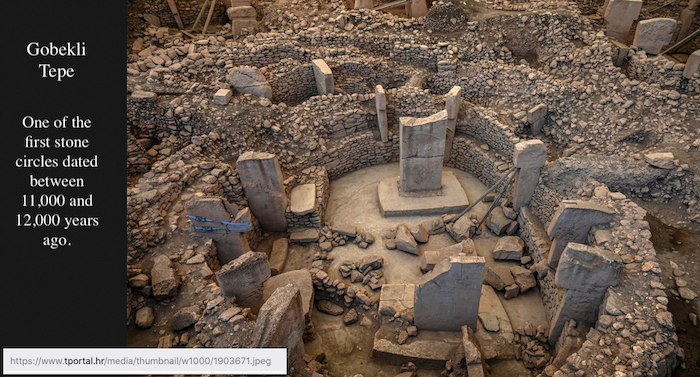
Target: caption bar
x,y
139,361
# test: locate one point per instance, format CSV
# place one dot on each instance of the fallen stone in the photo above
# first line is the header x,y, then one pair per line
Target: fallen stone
x,y
374,261
420,234
278,256
246,79
524,278
462,229
489,321
329,308
145,317
163,278
497,221
498,277
405,241
184,318
511,291
350,317
508,248
660,160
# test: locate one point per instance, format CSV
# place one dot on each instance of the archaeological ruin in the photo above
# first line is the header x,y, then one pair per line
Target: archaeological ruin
x,y
417,188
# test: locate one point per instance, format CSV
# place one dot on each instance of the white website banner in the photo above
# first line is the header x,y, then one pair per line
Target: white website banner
x,y
140,361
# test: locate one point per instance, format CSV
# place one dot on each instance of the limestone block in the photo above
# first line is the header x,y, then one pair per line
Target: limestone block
x,y
344,229
588,269
508,248
572,222
303,199
660,160
405,241
530,154
278,256
686,19
692,66
240,25
431,258
244,276
240,12
422,149
419,8
324,77
222,96
281,323
246,79
535,117
380,98
301,279
452,101
620,15
652,35
304,235
163,279
263,185
447,298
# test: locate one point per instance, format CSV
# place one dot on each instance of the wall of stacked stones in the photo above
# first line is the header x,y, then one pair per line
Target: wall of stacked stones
x,y
188,9
407,102
294,85
136,162
482,124
318,175
469,157
264,53
659,70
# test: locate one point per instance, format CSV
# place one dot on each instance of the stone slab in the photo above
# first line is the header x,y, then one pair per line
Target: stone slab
x,y
422,148
397,298
263,185
431,258
303,199
447,297
281,323
652,35
494,345
278,256
392,203
298,278
244,276
692,66
325,83
429,350
588,269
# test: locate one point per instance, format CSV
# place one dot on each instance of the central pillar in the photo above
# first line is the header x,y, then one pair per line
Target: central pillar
x,y
422,150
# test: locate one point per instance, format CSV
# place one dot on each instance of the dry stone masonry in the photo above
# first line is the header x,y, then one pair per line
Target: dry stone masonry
x,y
296,179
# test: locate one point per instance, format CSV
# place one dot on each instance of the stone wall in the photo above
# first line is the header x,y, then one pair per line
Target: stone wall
x,y
188,9
482,124
291,83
